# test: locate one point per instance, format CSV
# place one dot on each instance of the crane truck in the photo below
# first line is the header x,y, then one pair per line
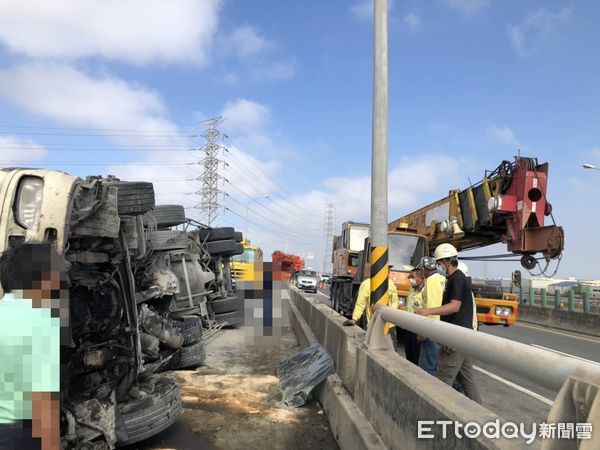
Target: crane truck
x,y
508,206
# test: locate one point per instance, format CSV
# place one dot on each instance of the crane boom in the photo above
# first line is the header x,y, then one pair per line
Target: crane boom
x,y
508,205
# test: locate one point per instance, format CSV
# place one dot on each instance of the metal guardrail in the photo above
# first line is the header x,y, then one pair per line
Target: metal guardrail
x,y
546,368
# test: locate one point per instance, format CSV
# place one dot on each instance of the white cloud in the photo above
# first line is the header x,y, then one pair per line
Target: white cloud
x,y
16,149
363,10
504,135
133,31
275,70
408,183
413,22
246,41
467,7
259,58
246,116
540,26
63,94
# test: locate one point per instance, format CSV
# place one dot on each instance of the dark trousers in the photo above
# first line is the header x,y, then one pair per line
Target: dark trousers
x,y
18,436
412,347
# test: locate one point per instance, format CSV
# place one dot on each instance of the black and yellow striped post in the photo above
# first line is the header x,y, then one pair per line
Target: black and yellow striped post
x,y
379,275
379,278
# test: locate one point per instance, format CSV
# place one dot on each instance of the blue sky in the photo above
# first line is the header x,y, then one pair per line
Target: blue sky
x,y
97,87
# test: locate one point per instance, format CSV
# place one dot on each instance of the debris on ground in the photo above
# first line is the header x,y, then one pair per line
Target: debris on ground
x,y
299,374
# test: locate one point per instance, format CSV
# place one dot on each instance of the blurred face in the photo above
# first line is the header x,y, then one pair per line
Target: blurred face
x,y
415,278
47,292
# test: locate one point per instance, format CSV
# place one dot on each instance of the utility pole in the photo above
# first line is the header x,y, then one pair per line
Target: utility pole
x,y
329,223
210,177
379,156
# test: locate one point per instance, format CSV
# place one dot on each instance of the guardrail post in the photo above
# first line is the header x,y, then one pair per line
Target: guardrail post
x,y
521,295
544,299
586,302
571,300
531,300
556,299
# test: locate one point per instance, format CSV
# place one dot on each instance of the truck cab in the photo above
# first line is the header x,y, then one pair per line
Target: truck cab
x,y
405,250
248,265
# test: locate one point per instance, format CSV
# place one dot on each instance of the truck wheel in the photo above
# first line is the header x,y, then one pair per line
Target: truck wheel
x,y
151,414
227,305
233,318
217,234
167,215
134,197
188,357
220,247
239,249
190,328
169,240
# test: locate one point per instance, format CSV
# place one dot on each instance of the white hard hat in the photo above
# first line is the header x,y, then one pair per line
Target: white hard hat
x,y
444,251
464,268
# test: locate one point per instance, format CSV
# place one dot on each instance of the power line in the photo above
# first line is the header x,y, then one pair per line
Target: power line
x,y
97,163
273,190
302,224
31,127
267,229
264,172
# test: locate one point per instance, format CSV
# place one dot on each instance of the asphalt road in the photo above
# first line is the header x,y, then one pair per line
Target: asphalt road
x,y
511,396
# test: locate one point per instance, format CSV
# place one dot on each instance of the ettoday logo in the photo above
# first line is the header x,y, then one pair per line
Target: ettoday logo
x,y
429,429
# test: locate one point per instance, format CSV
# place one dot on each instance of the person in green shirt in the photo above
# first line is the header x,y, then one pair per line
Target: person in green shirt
x,y
30,275
414,301
363,300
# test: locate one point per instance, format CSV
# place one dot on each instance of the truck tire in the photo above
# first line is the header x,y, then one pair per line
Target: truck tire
x,y
233,318
216,248
190,328
169,240
188,357
238,236
217,234
151,414
227,305
134,197
167,215
238,250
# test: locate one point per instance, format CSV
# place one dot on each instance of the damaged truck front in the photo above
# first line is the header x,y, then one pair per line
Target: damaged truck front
x,y
111,393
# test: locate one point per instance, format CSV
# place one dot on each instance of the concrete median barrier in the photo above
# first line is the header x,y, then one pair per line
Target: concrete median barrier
x,y
389,393
577,322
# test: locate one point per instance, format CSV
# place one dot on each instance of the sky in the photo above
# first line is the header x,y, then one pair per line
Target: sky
x,y
122,87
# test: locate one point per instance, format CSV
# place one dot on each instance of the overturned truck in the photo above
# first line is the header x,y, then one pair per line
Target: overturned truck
x,y
142,281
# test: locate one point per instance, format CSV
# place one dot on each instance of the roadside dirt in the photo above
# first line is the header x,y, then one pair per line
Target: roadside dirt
x,y
234,402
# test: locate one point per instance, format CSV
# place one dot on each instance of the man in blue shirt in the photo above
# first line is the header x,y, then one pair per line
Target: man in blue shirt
x,y
30,275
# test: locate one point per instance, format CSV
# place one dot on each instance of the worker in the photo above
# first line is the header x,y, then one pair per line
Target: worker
x,y
457,309
414,301
363,299
30,347
465,269
433,293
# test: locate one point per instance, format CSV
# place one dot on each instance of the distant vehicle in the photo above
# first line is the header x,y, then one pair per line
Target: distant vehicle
x,y
307,280
325,278
248,266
